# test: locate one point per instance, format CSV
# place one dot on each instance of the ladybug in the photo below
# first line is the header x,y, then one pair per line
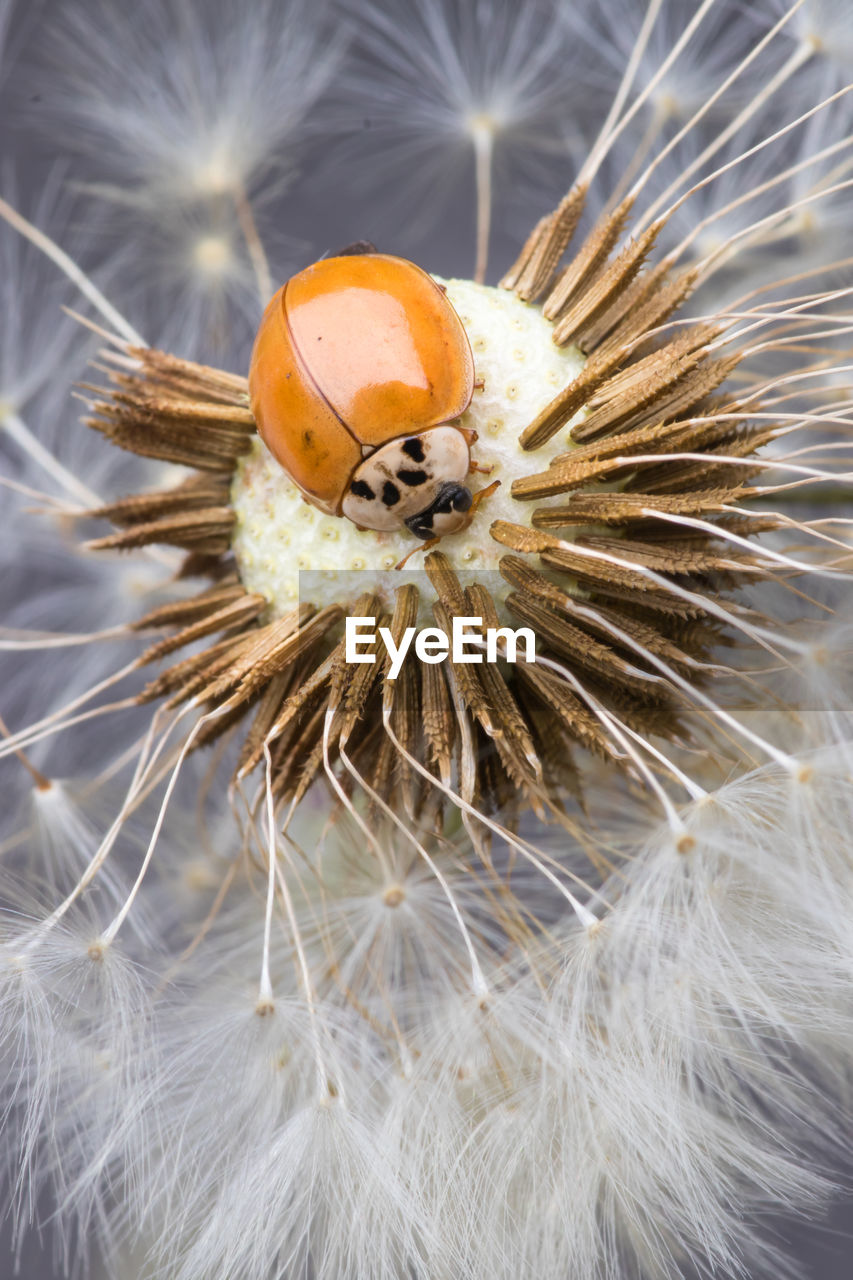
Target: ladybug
x,y
358,369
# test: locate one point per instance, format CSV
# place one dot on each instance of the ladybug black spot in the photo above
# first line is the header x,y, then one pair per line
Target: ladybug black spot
x,y
390,494
414,449
362,489
412,477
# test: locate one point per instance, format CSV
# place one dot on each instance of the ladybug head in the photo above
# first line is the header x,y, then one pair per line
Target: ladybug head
x,y
447,513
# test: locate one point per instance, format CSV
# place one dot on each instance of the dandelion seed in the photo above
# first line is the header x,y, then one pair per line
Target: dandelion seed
x,y
463,92
185,124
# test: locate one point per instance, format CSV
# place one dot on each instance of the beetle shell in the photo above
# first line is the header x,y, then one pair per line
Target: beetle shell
x,y
404,477
354,353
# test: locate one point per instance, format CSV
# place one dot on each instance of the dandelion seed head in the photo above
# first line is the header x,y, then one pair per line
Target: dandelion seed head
x,y
821,27
278,534
184,125
195,105
482,66
76,1029
464,95
213,254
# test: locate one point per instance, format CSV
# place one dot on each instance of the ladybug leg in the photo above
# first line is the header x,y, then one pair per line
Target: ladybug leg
x,y
481,497
423,546
479,384
471,436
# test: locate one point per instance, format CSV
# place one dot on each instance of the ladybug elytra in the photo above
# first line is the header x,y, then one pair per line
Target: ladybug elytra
x,y
359,367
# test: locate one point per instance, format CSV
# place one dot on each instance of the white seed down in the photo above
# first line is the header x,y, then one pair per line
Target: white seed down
x,y
279,539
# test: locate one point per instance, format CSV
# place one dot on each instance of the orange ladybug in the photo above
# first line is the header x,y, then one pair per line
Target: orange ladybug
x,y
358,368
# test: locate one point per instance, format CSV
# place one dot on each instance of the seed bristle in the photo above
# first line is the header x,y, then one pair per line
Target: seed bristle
x,y
184,678
180,612
588,261
234,616
578,317
439,723
623,508
197,491
207,530
567,402
580,723
641,309
532,272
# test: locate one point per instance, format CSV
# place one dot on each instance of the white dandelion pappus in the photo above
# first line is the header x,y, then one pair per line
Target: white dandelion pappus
x,y
192,104
51,473
38,356
73,1047
386,1049
449,93
187,122
821,26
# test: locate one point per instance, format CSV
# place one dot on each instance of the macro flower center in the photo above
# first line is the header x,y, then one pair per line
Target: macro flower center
x,y
278,535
